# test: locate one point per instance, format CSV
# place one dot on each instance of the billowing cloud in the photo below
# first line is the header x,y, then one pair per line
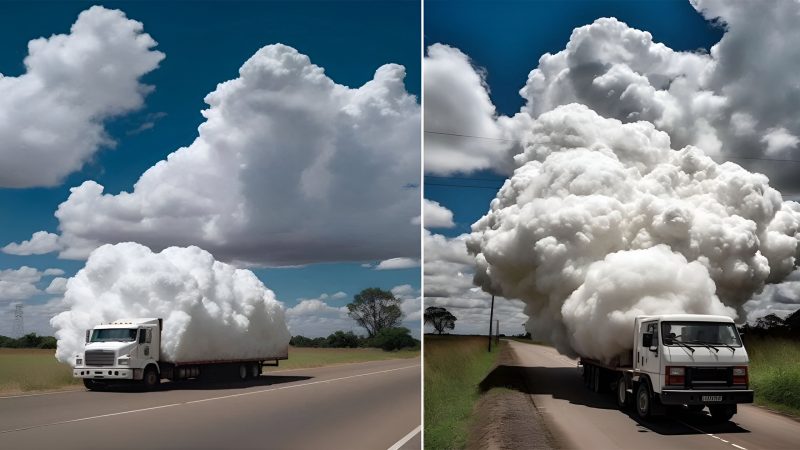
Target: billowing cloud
x,y
57,286
397,263
40,243
52,116
436,215
448,283
211,310
603,220
20,284
736,102
288,168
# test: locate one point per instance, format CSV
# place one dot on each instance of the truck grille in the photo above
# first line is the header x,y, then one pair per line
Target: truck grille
x,y
709,377
99,358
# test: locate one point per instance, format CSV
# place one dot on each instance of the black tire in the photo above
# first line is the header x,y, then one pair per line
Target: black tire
x,y
151,378
722,413
243,372
623,399
255,370
597,375
94,385
644,401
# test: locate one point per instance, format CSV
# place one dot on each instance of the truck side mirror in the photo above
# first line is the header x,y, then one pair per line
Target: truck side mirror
x,y
88,333
647,340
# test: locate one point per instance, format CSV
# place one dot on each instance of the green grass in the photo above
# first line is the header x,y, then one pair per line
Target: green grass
x,y
454,365
24,370
775,373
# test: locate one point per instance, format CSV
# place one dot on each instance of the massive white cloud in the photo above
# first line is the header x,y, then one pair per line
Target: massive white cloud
x,y
52,116
736,101
602,220
288,168
211,310
448,283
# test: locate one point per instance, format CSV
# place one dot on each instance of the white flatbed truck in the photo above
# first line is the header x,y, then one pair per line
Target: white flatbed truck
x,y
130,350
689,360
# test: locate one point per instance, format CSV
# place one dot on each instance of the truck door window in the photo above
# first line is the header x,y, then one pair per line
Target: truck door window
x,y
149,336
142,336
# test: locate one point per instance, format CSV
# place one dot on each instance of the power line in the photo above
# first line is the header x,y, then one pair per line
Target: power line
x,y
747,158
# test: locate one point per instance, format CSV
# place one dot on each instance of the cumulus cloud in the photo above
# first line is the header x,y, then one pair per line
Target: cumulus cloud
x,y
593,195
20,284
736,102
397,263
52,116
436,215
57,286
288,168
449,270
210,309
40,243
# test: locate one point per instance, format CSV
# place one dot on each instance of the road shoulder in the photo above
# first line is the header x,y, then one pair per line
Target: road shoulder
x,y
505,416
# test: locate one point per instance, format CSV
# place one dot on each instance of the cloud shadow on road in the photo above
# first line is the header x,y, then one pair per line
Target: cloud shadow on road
x,y
564,383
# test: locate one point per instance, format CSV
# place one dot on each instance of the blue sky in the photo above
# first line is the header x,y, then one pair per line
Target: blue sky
x,y
506,38
205,43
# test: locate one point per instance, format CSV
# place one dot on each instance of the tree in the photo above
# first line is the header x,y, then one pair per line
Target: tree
x,y
341,339
393,339
440,318
375,309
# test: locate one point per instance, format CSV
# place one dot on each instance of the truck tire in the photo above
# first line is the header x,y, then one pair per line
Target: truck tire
x,y
623,399
255,370
644,401
151,378
722,413
597,376
243,372
94,385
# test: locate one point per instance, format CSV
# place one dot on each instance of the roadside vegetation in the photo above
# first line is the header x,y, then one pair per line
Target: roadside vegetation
x,y
454,366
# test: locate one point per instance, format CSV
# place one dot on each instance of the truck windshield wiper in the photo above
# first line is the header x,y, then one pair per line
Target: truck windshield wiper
x,y
705,344
681,343
733,349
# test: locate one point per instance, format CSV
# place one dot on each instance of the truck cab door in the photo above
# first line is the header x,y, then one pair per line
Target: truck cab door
x,y
649,361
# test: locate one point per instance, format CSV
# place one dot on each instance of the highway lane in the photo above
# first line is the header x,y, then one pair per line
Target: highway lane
x,y
353,406
583,419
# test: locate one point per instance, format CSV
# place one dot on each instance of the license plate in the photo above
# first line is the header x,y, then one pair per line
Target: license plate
x,y
712,398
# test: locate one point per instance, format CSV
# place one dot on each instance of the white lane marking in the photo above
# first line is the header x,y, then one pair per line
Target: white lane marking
x,y
406,438
711,435
267,373
205,400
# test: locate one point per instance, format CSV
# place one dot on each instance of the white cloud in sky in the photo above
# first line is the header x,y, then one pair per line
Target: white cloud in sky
x,y
397,263
288,168
40,243
57,286
20,284
52,116
436,215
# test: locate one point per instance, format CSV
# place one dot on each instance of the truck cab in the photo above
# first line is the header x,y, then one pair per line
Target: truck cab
x,y
687,359
122,350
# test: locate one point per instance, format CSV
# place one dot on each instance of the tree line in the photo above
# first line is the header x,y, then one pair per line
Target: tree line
x,y
30,340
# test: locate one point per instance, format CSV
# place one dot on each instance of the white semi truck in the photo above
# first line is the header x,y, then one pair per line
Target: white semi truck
x,y
680,360
130,350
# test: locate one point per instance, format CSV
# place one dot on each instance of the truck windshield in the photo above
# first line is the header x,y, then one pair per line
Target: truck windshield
x,y
700,333
113,334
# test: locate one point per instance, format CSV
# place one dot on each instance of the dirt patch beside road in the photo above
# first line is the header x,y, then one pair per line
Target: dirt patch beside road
x,y
505,416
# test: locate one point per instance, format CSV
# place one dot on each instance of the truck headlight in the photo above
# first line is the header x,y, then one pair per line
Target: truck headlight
x,y
78,362
123,361
677,371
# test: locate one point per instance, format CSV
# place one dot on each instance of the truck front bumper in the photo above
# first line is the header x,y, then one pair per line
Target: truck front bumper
x,y
103,373
698,397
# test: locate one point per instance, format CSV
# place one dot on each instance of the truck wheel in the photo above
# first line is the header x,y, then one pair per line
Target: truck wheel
x,y
644,407
151,379
243,372
596,379
722,413
622,393
254,370
93,385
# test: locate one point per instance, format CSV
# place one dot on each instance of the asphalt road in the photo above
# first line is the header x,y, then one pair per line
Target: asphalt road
x,y
373,405
582,419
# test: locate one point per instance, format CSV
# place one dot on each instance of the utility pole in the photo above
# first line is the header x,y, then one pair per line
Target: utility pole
x,y
491,318
19,323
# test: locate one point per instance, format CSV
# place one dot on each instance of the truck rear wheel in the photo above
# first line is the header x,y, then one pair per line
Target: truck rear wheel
x,y
243,372
151,378
722,413
622,393
644,406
